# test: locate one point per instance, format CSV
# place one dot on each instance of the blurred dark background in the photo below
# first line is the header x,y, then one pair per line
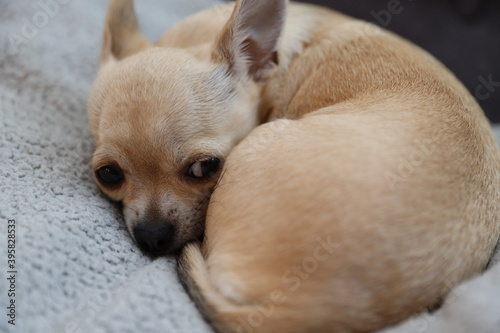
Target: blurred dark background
x,y
463,34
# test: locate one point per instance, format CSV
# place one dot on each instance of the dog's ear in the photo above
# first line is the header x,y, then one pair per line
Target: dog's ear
x,y
122,36
249,41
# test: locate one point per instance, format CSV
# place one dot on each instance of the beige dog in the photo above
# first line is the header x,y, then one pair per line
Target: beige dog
x,y
372,190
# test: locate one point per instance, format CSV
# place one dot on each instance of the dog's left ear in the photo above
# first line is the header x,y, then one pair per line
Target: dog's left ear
x,y
122,37
249,41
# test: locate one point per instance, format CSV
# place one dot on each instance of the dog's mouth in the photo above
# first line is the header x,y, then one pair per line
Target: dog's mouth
x,y
157,238
164,229
173,249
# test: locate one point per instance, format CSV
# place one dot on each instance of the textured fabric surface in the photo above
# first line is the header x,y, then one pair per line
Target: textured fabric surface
x,y
78,270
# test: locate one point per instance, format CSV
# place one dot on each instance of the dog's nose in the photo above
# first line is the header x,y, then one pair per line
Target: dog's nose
x,y
154,238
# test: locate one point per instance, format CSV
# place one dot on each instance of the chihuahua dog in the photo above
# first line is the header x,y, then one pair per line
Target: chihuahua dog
x,y
348,180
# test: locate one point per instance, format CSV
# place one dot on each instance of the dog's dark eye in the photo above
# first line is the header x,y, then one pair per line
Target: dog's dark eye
x,y
109,175
203,169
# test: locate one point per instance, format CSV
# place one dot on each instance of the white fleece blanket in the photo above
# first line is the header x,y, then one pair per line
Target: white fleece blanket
x,y
77,268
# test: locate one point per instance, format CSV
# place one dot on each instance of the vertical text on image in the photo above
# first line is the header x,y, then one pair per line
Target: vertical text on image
x,y
11,272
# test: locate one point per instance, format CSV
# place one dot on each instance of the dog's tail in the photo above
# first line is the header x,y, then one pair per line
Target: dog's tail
x,y
220,312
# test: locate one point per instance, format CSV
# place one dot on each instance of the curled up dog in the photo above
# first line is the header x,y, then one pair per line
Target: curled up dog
x,y
312,220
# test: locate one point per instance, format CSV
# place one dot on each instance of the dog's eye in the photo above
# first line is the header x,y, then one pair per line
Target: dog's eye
x,y
203,169
109,175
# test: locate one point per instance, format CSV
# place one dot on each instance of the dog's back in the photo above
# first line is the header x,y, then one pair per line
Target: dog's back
x,y
368,209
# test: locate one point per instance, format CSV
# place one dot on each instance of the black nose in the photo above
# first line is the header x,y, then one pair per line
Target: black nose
x,y
157,238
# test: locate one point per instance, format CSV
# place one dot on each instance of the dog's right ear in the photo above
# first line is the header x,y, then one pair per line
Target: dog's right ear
x,y
249,41
122,36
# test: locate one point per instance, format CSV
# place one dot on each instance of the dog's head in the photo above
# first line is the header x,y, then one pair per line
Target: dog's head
x,y
165,119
